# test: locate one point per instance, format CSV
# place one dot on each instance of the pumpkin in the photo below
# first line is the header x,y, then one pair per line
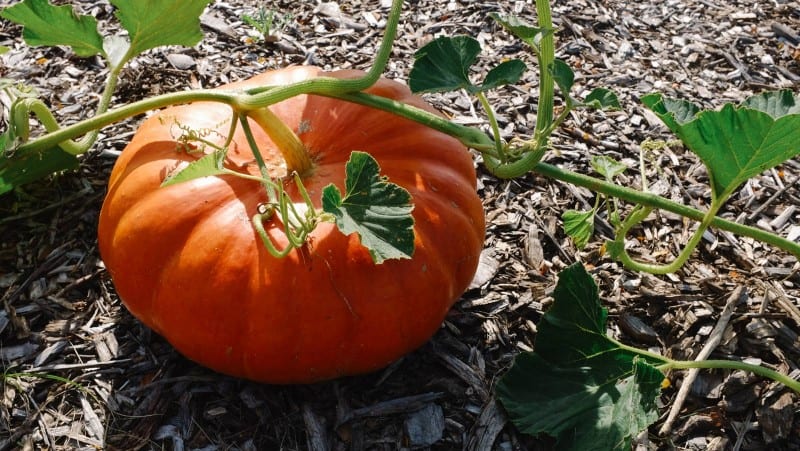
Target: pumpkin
x,y
186,261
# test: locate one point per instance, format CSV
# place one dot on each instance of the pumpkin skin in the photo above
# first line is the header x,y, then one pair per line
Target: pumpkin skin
x,y
187,262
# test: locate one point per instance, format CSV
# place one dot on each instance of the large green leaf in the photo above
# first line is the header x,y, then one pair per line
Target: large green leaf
x,y
736,142
45,24
153,23
580,386
377,210
18,170
444,64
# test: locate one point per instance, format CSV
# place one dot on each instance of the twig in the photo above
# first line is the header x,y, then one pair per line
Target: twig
x,y
315,430
740,433
713,340
771,199
785,32
73,366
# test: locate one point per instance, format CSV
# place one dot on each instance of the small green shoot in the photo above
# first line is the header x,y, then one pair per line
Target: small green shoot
x,y
266,23
528,34
579,225
607,166
444,65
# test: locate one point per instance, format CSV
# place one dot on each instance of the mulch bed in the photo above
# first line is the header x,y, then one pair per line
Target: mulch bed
x,y
81,373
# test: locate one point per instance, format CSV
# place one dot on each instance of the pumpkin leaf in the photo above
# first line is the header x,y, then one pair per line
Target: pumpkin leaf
x,y
46,24
607,166
17,170
208,165
444,63
505,73
527,33
160,22
377,210
563,76
736,142
579,225
599,394
602,99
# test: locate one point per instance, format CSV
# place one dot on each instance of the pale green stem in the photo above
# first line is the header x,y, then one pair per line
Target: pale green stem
x,y
732,365
669,364
469,136
25,107
544,115
658,202
291,148
54,138
498,140
329,85
258,225
266,180
682,257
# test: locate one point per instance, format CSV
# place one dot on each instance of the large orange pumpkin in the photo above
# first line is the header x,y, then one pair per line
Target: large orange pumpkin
x,y
187,262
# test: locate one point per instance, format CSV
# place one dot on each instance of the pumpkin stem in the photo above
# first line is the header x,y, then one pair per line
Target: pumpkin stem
x,y
292,149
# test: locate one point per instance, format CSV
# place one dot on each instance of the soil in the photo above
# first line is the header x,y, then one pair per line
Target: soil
x,y
81,373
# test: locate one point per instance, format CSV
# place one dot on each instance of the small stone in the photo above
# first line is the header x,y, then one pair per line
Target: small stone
x,y
180,61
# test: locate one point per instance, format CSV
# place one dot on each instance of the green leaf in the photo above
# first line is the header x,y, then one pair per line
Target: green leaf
x,y
46,24
735,142
444,63
579,225
505,73
607,166
208,165
377,210
527,33
563,76
116,48
21,169
580,386
602,99
776,104
3,49
160,22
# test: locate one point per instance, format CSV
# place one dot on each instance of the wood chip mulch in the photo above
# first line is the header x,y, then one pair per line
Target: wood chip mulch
x,y
81,373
